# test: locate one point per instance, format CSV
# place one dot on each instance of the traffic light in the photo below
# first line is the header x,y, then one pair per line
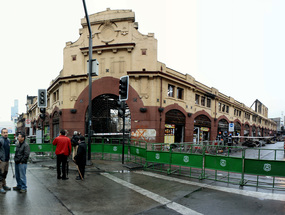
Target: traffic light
x,y
124,88
121,108
42,98
43,113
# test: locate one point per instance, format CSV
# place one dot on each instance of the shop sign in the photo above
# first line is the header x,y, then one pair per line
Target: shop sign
x,y
205,129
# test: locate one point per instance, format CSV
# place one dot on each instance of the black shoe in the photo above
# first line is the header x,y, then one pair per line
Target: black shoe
x,y
64,178
59,177
77,178
17,188
6,188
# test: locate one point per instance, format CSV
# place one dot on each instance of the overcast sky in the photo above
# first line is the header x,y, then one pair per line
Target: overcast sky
x,y
236,46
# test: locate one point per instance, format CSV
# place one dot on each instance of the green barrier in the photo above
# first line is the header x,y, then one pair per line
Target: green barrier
x,y
158,157
264,167
96,148
223,163
114,149
46,147
137,151
188,160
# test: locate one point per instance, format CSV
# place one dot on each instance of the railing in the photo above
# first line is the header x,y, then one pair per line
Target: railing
x,y
256,167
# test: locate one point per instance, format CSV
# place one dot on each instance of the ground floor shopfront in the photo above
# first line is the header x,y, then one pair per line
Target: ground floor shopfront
x,y
150,123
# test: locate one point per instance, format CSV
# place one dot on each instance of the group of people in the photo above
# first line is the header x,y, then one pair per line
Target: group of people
x,y
63,150
21,159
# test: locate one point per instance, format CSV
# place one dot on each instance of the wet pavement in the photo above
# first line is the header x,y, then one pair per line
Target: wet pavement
x,y
110,188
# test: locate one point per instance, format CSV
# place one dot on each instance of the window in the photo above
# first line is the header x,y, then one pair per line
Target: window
x,y
179,93
170,92
143,51
197,98
208,102
73,57
227,109
203,100
220,106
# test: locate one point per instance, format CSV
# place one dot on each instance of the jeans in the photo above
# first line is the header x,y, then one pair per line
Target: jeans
x,y
20,170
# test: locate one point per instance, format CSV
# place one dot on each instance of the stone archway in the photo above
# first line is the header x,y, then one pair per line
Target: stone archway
x,y
105,115
174,126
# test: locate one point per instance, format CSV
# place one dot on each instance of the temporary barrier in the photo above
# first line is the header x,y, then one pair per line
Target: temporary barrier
x,y
208,161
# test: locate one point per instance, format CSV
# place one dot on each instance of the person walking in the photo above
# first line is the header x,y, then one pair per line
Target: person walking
x,y
4,159
63,150
80,157
21,159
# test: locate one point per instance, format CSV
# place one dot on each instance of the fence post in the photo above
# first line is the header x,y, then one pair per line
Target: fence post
x,y
242,182
203,176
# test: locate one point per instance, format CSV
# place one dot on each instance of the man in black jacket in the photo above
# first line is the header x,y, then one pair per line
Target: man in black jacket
x,y
80,157
21,159
4,159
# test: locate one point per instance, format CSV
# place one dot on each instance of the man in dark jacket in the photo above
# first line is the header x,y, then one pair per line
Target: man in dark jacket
x,y
63,150
21,159
80,157
4,159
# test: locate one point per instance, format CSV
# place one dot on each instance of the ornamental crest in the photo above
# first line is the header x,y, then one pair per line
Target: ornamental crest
x,y
157,156
115,148
137,151
223,162
267,167
186,159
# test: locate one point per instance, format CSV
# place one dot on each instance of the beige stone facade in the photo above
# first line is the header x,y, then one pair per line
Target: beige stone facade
x,y
158,96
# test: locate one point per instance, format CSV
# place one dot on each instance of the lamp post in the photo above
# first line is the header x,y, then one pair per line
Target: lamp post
x,y
90,86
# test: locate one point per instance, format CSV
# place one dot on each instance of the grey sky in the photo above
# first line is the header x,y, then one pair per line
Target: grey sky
x,y
236,46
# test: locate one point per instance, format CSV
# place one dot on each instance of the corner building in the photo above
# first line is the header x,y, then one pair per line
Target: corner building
x,y
163,106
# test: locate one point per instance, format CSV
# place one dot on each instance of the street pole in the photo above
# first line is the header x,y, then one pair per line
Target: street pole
x,y
90,86
123,150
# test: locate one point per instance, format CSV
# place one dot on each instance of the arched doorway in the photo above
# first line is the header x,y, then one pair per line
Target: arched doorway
x,y
246,130
253,131
202,129
223,126
105,115
174,126
55,125
237,129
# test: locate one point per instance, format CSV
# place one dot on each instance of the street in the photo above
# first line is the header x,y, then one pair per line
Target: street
x,y
110,188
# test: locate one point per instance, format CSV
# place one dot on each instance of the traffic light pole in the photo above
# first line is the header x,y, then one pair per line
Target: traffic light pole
x,y
123,150
90,86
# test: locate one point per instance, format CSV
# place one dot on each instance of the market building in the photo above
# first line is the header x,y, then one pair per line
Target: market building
x,y
163,106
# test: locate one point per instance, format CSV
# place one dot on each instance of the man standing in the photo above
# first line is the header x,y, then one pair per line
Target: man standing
x,y
4,159
63,150
21,159
80,157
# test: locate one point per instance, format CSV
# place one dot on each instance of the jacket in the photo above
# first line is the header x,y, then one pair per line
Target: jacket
x,y
22,153
80,157
4,154
63,145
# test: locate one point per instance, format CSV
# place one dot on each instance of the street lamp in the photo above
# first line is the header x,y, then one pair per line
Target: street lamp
x,y
90,86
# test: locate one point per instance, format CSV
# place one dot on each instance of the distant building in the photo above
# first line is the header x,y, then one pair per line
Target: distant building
x,y
164,105
14,110
278,123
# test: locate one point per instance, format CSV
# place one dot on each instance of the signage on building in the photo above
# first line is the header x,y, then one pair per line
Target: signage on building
x,y
28,123
231,127
205,129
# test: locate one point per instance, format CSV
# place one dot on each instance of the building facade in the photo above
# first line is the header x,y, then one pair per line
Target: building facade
x,y
163,106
